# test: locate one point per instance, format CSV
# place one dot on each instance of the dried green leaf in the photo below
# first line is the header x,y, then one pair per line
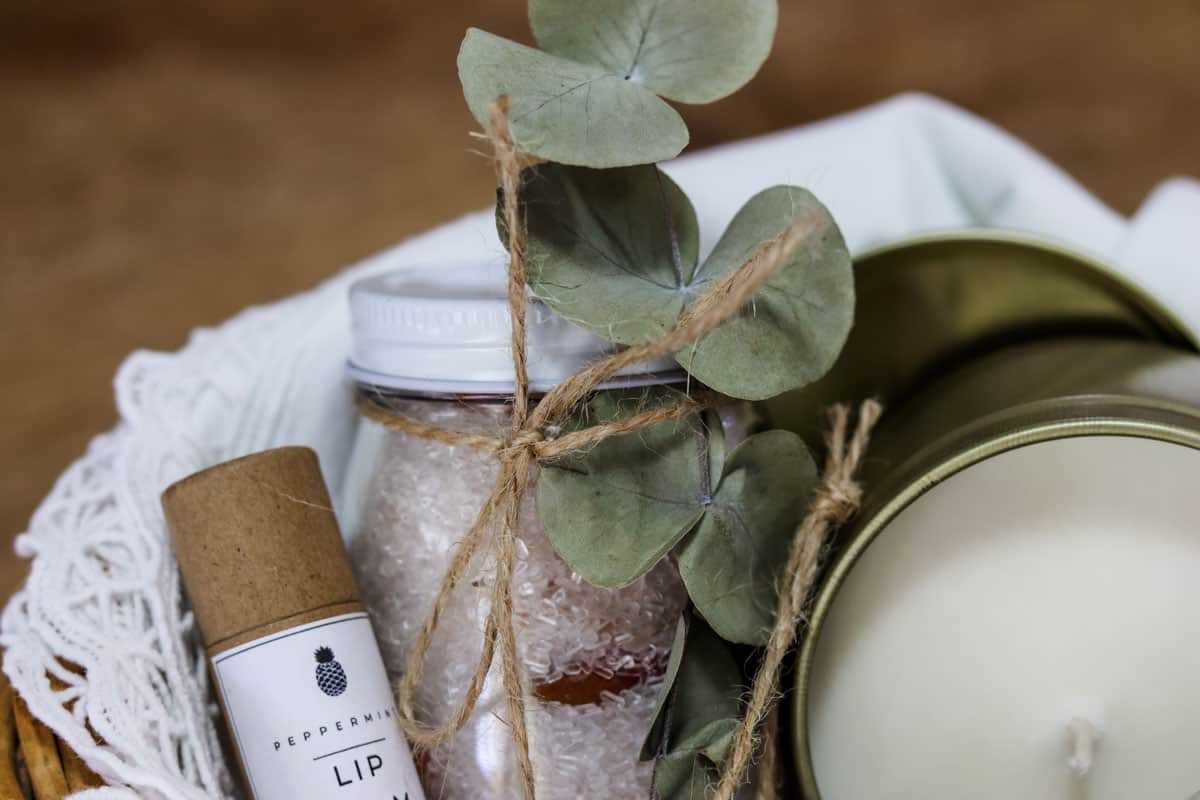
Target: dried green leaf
x,y
693,51
567,111
655,736
614,509
793,331
611,250
731,563
590,97
693,727
717,446
616,252
685,776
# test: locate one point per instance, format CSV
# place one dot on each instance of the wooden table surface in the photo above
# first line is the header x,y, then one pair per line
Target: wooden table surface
x,y
164,165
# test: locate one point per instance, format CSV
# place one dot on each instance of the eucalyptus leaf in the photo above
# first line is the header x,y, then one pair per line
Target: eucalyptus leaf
x,y
611,250
567,111
616,252
656,736
699,705
715,441
684,776
693,51
614,510
693,727
731,563
793,331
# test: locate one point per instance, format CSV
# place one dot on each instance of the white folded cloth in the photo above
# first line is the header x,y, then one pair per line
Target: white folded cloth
x,y
103,591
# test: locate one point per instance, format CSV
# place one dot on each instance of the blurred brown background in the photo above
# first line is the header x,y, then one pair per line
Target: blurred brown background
x,y
163,165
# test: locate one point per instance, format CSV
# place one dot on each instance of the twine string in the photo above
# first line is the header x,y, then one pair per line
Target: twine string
x,y
515,461
542,448
768,780
526,444
835,500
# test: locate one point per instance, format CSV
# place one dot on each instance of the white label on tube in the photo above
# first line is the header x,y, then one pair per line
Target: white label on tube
x,y
312,712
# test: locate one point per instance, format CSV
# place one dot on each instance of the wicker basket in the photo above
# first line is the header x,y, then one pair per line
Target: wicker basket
x,y
36,765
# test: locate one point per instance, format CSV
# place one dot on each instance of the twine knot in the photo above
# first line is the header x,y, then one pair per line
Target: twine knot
x,y
837,500
523,442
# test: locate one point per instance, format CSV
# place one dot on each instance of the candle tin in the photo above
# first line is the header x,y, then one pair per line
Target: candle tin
x,y
980,344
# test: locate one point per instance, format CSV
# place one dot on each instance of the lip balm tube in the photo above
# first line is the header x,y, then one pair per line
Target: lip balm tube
x,y
295,664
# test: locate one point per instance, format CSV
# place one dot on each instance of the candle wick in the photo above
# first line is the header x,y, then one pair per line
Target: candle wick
x,y
1084,736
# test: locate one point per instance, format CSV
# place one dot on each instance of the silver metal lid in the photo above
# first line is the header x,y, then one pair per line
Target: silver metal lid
x,y
447,330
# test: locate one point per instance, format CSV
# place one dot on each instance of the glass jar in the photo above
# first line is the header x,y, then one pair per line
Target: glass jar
x,y
593,658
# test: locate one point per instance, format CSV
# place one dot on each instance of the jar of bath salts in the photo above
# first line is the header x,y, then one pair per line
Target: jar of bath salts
x,y
436,348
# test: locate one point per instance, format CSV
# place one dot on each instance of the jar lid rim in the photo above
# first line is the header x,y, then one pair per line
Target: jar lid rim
x,y
438,388
449,326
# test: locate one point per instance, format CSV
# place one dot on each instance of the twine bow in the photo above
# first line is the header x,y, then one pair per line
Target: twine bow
x,y
528,442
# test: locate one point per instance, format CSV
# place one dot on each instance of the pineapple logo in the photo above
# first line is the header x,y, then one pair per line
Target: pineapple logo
x,y
331,678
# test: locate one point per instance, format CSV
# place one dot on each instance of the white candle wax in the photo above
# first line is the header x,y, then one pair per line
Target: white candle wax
x,y
1053,584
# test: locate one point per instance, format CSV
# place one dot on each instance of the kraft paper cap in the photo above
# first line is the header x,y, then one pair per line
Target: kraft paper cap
x,y
257,541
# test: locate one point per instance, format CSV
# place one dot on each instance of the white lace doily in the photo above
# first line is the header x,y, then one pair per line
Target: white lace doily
x,y
103,593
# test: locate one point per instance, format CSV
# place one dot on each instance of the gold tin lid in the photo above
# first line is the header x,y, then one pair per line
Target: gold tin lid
x,y
1018,396
257,543
927,305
